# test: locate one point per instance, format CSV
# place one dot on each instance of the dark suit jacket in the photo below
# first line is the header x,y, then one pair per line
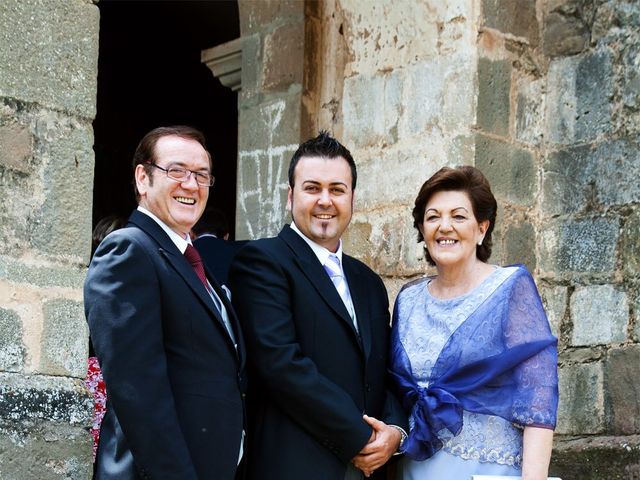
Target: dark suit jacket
x,y
217,255
174,379
315,376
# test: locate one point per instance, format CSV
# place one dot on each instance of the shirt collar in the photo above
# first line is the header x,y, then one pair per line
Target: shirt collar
x,y
320,252
180,242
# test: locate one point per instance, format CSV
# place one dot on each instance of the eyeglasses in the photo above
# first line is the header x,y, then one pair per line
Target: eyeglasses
x,y
179,174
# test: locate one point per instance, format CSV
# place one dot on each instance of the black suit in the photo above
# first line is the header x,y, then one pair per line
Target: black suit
x,y
174,379
217,255
315,375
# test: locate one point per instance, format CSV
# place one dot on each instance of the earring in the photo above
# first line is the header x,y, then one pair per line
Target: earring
x,y
480,243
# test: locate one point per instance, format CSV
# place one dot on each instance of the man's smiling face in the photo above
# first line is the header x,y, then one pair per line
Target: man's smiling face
x,y
321,200
178,204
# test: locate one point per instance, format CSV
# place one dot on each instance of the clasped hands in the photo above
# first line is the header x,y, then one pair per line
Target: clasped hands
x,y
382,444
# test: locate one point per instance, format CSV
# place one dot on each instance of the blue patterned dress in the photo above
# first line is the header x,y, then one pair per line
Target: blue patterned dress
x,y
424,325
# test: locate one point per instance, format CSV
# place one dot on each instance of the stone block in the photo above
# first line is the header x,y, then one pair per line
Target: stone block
x,y
386,35
596,458
520,245
43,428
621,376
65,148
18,271
614,18
371,109
564,35
49,54
283,57
630,246
381,175
494,86
251,63
576,178
580,90
554,299
631,83
530,111
262,187
258,16
12,349
270,125
516,17
581,407
568,181
17,149
586,245
600,314
65,339
510,170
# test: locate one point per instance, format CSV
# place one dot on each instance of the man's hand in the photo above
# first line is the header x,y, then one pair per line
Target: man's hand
x,y
383,443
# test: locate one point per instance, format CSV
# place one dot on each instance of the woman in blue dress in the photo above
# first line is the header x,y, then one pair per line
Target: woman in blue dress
x,y
473,358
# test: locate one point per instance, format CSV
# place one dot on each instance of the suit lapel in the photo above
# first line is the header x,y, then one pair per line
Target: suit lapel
x,y
359,297
311,268
172,255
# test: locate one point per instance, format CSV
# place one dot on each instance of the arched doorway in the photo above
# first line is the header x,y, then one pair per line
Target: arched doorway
x,y
150,74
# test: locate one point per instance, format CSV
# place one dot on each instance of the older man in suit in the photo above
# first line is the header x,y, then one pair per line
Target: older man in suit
x,y
165,333
316,322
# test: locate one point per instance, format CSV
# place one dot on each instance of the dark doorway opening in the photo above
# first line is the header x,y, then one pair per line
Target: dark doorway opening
x,y
150,75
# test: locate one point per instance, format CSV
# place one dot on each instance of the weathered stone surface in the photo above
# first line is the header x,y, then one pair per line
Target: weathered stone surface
x,y
262,187
596,458
579,245
636,310
579,100
615,18
631,85
623,391
249,94
519,245
564,35
16,151
65,339
49,53
600,314
391,248
630,247
269,125
554,299
494,85
510,170
517,17
371,108
530,111
43,428
12,349
381,36
581,407
65,148
579,177
255,16
283,58
41,276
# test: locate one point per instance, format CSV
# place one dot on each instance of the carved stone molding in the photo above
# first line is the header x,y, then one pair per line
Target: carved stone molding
x,y
225,61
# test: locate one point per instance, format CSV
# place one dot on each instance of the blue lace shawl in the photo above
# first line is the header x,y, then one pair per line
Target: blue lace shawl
x,y
502,361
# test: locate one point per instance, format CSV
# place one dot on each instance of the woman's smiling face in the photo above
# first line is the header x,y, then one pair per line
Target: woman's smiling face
x,y
450,229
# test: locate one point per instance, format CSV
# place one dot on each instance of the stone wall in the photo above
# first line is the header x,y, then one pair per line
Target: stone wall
x,y
48,68
269,111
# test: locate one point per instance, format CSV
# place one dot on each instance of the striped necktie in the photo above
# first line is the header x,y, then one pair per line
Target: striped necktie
x,y
334,270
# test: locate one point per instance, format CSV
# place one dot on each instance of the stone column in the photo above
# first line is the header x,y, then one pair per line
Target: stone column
x,y
269,111
48,65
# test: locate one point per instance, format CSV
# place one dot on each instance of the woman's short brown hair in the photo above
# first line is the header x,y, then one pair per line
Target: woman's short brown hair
x,y
465,179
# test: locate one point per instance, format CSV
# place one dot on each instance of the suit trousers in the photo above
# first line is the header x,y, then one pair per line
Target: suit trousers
x,y
353,473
